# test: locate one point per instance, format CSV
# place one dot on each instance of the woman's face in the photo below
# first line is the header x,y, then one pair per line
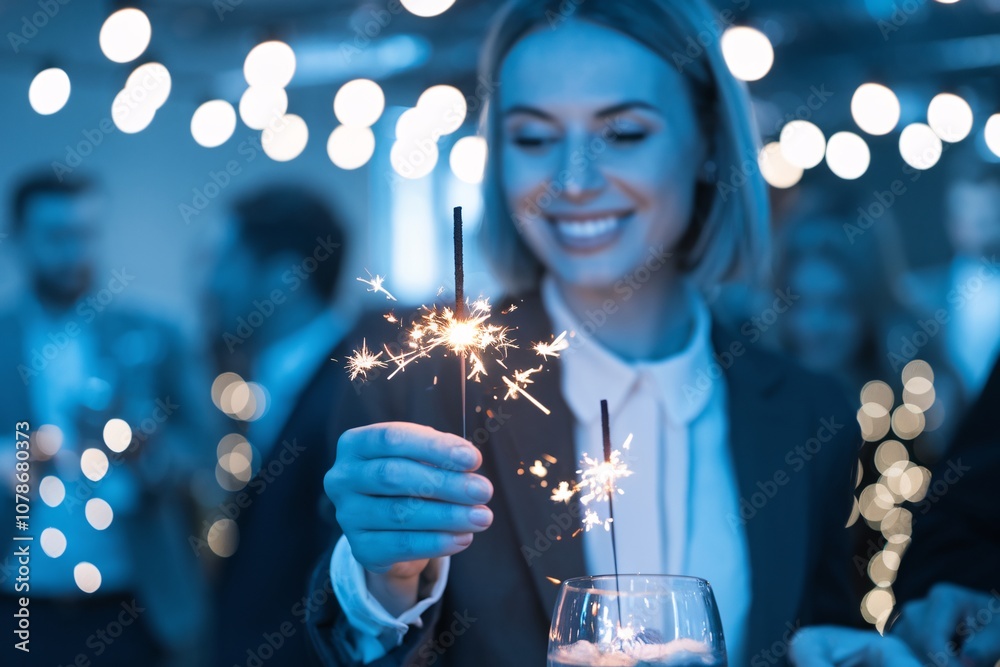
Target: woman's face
x,y
601,151
825,327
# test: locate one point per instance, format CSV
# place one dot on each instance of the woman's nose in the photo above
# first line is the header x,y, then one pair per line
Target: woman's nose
x,y
581,169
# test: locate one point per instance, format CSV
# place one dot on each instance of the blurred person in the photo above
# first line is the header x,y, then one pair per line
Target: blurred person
x,y
948,586
847,322
74,359
963,294
603,188
276,323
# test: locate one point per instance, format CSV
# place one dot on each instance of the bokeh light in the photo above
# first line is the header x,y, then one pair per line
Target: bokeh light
x,y
117,435
907,422
213,123
919,146
99,513
873,418
53,542
350,147
468,159
130,115
224,537
427,8
49,91
52,490
875,109
286,138
950,117
847,155
777,171
125,35
879,392
48,439
270,65
918,368
889,453
262,106
992,133
748,53
94,464
444,109
802,144
87,577
359,103
413,159
152,80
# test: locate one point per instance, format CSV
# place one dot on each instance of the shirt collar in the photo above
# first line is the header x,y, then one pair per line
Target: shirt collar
x,y
684,381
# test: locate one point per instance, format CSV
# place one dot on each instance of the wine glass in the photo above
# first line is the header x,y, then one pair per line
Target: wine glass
x,y
636,620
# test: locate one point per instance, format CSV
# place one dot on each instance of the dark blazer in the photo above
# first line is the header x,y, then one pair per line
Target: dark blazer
x,y
499,599
956,527
282,530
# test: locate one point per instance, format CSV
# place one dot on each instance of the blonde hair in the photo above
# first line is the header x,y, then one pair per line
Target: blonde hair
x,y
729,236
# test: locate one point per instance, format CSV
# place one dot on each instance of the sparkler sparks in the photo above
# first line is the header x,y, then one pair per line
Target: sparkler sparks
x,y
376,284
553,348
363,361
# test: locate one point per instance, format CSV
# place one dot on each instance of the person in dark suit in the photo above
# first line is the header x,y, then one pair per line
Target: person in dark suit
x,y
948,587
283,264
609,208
114,429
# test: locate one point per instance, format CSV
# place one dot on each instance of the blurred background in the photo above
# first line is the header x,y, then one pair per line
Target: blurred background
x,y
147,149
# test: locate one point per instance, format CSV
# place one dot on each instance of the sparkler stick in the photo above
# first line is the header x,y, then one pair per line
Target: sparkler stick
x,y
460,297
606,432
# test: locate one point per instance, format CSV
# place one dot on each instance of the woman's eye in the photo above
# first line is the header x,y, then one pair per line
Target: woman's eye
x,y
533,141
628,137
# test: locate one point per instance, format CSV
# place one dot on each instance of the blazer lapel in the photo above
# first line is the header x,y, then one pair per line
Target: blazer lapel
x,y
548,532
760,435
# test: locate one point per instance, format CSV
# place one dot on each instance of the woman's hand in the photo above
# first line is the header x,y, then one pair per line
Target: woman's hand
x,y
404,494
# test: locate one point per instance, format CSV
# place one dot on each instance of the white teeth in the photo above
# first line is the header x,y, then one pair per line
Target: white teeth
x,y
588,228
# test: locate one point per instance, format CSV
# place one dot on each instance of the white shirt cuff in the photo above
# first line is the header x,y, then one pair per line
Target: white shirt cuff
x,y
375,630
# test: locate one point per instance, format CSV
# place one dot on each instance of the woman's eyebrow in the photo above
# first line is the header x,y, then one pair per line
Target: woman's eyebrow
x,y
627,106
530,111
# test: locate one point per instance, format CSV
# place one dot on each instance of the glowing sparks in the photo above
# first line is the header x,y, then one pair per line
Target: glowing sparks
x,y
376,284
472,337
563,493
598,481
552,349
363,361
516,386
538,470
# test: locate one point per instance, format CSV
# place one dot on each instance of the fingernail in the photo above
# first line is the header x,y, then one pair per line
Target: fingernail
x,y
478,489
481,516
463,540
465,456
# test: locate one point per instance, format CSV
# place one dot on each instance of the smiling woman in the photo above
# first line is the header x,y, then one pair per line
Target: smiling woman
x,y
606,220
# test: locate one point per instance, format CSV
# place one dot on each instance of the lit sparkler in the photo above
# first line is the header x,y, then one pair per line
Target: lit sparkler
x,y
464,329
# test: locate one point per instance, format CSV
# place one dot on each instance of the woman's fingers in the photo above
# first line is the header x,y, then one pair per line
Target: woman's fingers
x,y
413,514
378,551
411,441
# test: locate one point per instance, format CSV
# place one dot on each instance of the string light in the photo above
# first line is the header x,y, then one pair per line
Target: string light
x,y
350,147
269,65
847,155
802,144
125,35
213,123
359,103
950,117
427,8
875,109
49,91
468,159
748,53
919,146
777,171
